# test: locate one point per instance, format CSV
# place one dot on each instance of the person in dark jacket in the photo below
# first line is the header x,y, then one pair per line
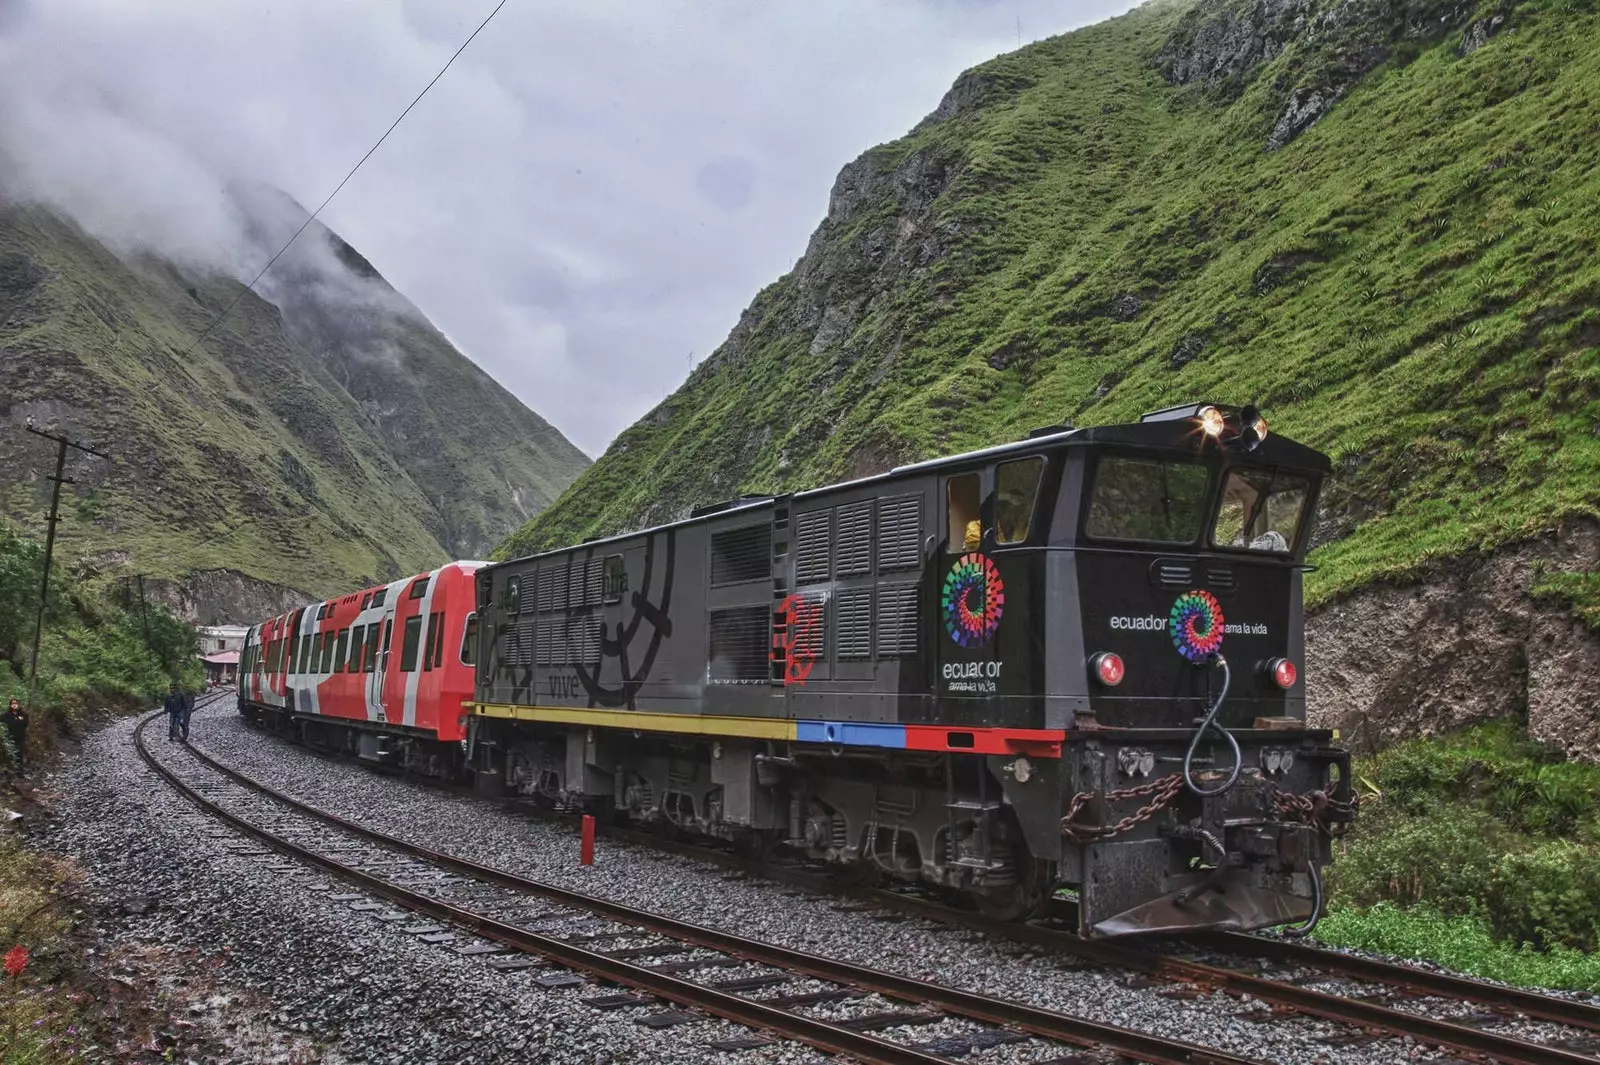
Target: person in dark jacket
x,y
15,720
177,707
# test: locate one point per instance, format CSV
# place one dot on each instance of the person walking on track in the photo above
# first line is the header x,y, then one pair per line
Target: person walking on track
x,y
177,707
15,720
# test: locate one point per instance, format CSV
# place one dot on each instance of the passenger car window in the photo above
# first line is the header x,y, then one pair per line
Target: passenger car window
x,y
965,531
419,588
412,642
469,642
358,638
1261,510
1016,488
1156,500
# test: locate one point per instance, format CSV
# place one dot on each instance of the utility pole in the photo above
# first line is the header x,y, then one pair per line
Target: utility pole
x,y
62,443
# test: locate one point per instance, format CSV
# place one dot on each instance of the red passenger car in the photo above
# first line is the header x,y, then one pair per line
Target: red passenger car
x,y
394,661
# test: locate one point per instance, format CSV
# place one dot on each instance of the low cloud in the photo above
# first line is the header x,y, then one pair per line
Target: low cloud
x,y
584,203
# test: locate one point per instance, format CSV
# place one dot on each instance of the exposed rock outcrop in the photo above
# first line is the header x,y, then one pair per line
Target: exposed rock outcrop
x,y
224,596
1326,45
1467,644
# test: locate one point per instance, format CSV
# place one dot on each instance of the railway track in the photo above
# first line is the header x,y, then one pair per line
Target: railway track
x,y
558,934
1382,1000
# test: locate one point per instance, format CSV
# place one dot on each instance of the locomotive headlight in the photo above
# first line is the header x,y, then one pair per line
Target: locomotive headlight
x,y
1261,427
1211,421
1022,769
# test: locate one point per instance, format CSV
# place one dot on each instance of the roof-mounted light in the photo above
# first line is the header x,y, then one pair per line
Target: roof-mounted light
x,y
1212,421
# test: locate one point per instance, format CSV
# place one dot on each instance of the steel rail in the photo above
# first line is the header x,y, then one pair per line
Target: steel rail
x,y
1322,1004
815,1033
1411,978
1048,1024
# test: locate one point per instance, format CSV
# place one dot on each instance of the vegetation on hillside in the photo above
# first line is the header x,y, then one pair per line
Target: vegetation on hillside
x,y
319,446
100,648
1480,850
1410,284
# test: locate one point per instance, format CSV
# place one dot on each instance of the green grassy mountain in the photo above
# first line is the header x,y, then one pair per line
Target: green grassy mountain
x,y
1377,218
324,435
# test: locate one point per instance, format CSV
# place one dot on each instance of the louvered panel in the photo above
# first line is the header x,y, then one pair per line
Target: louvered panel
x,y
583,640
813,561
576,578
558,587
853,556
517,648
853,623
739,640
1171,573
555,633
546,589
743,554
594,581
1221,578
897,621
899,532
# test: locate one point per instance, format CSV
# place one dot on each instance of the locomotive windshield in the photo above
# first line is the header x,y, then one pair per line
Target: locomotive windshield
x,y
1261,510
1159,500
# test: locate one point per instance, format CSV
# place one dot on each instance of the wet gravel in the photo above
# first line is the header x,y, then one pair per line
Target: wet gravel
x,y
362,990
452,1008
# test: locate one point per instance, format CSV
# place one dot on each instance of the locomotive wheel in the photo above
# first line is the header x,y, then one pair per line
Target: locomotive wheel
x,y
1019,901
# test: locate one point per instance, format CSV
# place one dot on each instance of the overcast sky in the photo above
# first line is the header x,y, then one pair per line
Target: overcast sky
x,y
584,203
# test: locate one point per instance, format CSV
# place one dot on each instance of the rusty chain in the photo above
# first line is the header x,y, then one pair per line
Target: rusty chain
x,y
1311,808
1162,792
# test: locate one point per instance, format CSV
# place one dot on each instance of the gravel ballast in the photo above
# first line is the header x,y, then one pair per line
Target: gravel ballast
x,y
240,928
501,1011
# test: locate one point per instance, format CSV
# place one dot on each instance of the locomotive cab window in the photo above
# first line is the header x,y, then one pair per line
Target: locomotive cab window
x,y
965,531
469,642
1261,510
1016,488
1151,499
514,595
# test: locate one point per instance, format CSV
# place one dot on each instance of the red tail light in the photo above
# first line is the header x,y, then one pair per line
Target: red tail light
x,y
1283,672
1109,668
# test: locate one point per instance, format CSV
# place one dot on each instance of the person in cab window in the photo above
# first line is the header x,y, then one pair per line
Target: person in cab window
x,y
974,535
1011,517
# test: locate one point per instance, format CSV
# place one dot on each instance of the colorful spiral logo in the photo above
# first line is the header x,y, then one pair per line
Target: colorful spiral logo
x,y
1196,625
974,598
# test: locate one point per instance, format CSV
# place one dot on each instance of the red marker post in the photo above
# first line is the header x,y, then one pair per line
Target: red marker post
x,y
586,854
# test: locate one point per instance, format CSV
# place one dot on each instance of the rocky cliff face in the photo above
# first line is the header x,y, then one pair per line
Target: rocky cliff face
x,y
1468,643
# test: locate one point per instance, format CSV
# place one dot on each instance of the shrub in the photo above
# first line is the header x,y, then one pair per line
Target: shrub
x,y
1548,896
1443,858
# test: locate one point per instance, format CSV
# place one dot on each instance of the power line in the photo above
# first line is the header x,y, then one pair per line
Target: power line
x,y
313,216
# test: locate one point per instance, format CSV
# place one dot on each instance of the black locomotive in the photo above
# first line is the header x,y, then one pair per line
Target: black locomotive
x,y
1072,660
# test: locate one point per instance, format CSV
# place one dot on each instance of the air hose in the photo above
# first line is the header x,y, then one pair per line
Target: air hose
x,y
1210,722
1316,904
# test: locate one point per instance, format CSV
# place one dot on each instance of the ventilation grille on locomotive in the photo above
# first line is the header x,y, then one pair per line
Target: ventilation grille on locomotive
x,y
518,649
741,555
739,643
812,561
899,532
854,555
897,621
853,632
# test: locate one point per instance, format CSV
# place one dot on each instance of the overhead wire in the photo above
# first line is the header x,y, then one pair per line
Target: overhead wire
x,y
344,181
